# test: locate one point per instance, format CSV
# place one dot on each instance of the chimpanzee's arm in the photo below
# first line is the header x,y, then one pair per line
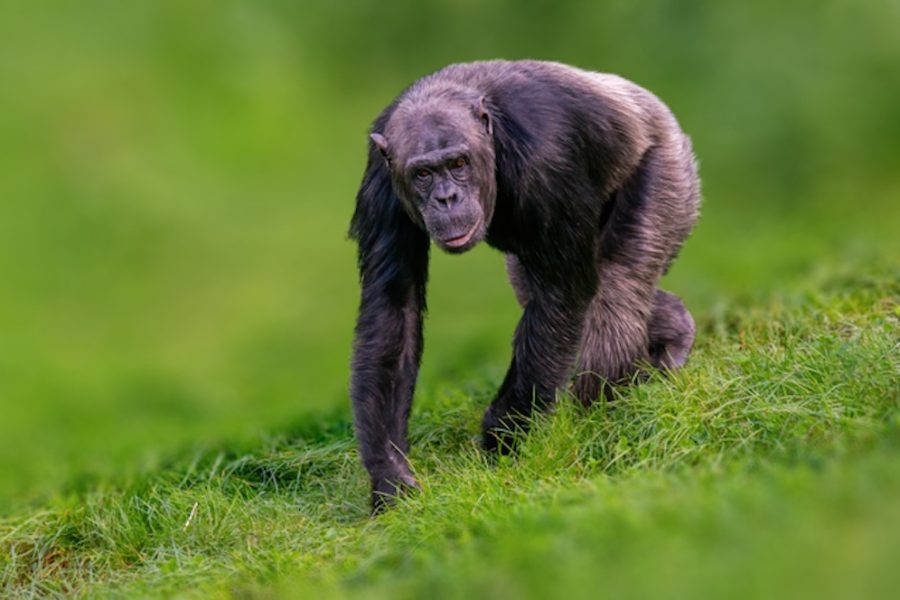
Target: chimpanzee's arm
x,y
546,341
393,266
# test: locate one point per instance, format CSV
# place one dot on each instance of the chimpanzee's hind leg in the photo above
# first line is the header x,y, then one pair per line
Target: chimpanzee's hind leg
x,y
630,322
669,330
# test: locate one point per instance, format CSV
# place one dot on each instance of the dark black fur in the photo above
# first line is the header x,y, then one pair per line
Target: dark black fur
x,y
588,185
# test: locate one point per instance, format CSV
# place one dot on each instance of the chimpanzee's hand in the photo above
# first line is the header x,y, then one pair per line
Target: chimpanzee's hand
x,y
387,486
498,431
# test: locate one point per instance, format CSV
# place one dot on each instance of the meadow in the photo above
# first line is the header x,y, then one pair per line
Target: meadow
x,y
177,299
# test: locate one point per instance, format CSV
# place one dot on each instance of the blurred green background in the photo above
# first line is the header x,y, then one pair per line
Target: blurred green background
x,y
176,179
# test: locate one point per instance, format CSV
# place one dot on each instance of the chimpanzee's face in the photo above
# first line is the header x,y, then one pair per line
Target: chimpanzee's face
x,y
447,195
442,164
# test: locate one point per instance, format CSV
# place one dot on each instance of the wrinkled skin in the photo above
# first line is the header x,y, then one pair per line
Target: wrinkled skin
x,y
442,167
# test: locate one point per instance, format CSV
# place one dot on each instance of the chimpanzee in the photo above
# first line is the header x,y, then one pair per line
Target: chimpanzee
x,y
587,184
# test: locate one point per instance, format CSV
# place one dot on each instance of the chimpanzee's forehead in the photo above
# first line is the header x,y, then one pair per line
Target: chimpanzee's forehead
x,y
423,132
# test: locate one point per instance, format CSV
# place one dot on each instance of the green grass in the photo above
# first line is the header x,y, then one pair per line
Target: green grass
x,y
771,464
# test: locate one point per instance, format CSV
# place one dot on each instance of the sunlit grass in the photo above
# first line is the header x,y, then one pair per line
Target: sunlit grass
x,y
779,441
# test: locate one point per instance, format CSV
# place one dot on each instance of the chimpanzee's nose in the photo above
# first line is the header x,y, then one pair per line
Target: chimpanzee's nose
x,y
446,199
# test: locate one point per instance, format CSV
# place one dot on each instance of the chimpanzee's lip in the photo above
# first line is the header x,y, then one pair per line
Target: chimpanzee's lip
x,y
461,240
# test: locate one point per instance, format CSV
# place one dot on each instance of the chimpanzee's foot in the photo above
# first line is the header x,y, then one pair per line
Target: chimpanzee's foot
x,y
670,332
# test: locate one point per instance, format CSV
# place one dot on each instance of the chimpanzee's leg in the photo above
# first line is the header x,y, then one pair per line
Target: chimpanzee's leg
x,y
630,321
670,329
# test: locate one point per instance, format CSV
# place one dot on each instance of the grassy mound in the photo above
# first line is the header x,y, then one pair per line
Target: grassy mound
x,y
770,464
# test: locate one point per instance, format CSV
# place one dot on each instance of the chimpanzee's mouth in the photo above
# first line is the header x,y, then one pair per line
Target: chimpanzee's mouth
x,y
461,240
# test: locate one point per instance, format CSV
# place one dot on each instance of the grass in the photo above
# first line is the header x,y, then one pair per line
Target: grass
x,y
771,464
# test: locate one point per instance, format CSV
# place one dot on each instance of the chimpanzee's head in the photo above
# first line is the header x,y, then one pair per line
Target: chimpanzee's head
x,y
440,151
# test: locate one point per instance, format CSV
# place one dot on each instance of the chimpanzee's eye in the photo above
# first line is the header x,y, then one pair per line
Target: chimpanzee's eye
x,y
460,162
423,174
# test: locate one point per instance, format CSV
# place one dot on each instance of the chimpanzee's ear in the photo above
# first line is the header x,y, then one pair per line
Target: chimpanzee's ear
x,y
382,144
481,111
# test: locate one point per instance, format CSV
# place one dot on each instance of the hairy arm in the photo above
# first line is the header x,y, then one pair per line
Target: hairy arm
x,y
561,283
393,265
